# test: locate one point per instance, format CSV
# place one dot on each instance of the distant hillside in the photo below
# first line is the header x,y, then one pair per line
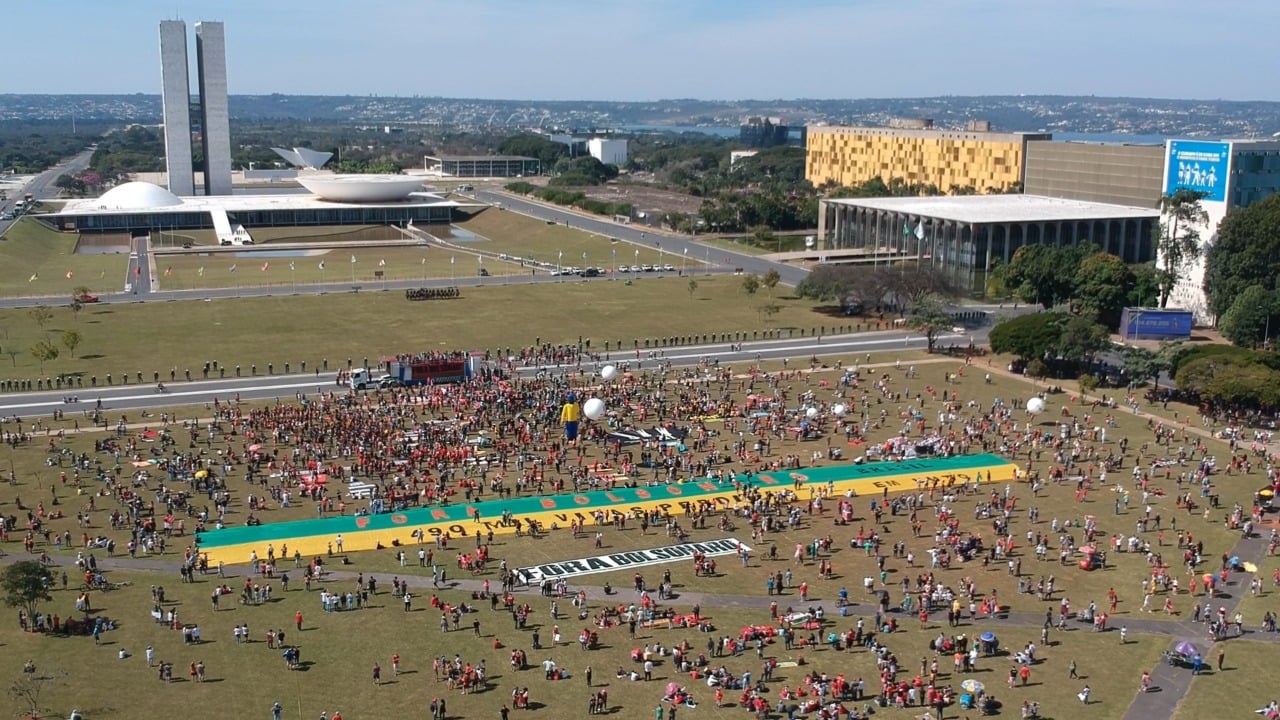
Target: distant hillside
x,y
1140,116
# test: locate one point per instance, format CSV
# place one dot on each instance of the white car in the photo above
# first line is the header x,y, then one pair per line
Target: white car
x,y
668,267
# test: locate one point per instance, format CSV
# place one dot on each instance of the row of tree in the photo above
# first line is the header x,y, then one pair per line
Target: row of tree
x,y
1080,276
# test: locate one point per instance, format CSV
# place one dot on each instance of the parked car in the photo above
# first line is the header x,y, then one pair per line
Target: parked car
x,y
84,298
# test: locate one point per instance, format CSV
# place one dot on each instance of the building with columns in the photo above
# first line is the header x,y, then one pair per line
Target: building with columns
x,y
972,233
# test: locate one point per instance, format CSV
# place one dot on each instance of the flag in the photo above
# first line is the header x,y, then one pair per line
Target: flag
x,y
453,259
322,265
266,265
353,259
686,251
200,272
561,256
291,267
480,259
233,268
424,261
906,229
615,252
382,262
168,271
920,230
637,253
102,274
70,274
34,277
584,254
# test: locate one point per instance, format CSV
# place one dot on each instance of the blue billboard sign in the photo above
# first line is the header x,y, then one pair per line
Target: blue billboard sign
x,y
1200,166
1156,324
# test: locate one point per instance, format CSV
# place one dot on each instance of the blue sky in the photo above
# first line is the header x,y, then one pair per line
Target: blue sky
x,y
653,49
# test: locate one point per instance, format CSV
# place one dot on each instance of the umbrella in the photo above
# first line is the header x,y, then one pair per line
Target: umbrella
x,y
987,637
1186,648
1250,567
202,474
973,686
1266,493
255,447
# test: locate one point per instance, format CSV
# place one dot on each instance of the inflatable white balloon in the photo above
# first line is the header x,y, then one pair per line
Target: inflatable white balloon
x,y
593,408
608,373
811,413
839,410
1035,405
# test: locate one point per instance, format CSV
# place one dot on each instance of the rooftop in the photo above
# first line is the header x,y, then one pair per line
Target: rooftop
x,y
978,209
482,158
249,203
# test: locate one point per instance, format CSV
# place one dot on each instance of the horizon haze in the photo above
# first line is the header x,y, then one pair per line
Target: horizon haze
x,y
649,50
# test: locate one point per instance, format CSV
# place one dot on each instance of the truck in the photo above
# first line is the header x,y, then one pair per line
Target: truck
x,y
365,379
428,369
432,369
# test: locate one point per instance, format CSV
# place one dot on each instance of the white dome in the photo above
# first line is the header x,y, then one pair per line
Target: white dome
x,y
361,188
137,196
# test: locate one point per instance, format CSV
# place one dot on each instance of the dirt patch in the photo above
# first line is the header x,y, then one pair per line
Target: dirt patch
x,y
646,199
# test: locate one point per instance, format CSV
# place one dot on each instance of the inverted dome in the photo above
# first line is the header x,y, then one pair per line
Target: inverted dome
x,y
361,188
137,195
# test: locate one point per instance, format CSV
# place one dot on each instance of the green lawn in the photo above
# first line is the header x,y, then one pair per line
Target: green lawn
x,y
1238,689
516,234
267,235
342,647
35,261
124,337
187,271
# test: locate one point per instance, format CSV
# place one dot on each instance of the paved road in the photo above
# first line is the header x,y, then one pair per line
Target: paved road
x,y
790,274
41,186
143,395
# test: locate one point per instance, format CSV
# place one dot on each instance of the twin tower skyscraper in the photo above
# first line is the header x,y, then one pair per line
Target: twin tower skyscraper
x,y
215,131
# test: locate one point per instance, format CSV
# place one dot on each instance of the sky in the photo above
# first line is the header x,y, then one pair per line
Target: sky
x,y
656,49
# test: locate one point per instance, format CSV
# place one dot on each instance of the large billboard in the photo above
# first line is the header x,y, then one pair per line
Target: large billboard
x,y
1156,324
1199,166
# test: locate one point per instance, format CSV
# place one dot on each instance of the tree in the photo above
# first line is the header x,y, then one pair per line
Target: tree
x,y
1044,274
693,287
929,315
750,283
13,352
829,282
1029,337
1146,285
28,690
1144,364
1081,337
1178,237
41,315
768,310
44,351
25,585
1102,287
71,339
1248,321
1246,252
771,280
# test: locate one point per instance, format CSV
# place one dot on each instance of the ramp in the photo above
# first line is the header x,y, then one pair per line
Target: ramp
x,y
222,225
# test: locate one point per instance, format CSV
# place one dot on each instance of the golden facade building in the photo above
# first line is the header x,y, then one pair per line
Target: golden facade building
x,y
946,159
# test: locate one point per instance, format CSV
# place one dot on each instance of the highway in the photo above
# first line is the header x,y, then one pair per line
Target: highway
x,y
140,396
41,186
